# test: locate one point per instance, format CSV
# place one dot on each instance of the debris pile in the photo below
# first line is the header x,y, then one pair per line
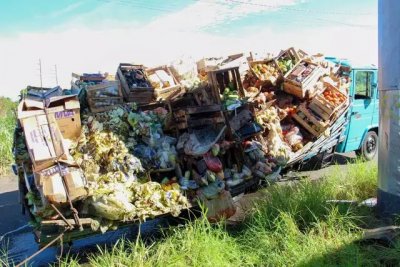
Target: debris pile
x,y
174,136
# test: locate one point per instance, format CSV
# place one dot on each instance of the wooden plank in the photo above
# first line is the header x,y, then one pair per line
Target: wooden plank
x,y
205,121
311,117
305,125
317,109
52,228
203,109
104,104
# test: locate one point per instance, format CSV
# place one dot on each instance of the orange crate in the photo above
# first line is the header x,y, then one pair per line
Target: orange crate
x,y
320,105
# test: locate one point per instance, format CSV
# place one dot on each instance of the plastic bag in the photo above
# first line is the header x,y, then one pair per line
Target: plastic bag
x,y
294,136
186,71
213,163
201,141
220,208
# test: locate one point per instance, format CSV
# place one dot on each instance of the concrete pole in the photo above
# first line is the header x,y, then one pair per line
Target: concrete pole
x,y
389,107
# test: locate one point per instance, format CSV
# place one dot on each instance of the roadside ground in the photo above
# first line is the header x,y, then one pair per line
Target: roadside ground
x,y
10,208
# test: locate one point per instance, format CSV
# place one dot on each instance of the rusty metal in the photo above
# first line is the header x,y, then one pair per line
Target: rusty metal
x,y
70,226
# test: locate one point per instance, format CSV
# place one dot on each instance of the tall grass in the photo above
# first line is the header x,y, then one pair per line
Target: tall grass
x,y
7,125
294,225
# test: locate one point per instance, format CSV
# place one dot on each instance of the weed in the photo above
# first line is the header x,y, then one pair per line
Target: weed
x,y
7,125
294,225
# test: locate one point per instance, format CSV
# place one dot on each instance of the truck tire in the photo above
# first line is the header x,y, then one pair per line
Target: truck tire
x,y
369,146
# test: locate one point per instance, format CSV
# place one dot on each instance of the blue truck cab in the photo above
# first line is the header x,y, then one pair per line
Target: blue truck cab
x,y
361,133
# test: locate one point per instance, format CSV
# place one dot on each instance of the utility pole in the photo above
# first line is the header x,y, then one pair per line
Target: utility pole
x,y
40,73
55,70
389,107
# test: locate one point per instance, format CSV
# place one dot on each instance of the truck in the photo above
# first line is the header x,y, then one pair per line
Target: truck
x,y
357,129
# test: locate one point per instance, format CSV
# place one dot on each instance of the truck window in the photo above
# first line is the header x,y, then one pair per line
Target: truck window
x,y
364,81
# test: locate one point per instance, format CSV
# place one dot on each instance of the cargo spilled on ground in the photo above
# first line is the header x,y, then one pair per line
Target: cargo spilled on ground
x,y
296,225
88,166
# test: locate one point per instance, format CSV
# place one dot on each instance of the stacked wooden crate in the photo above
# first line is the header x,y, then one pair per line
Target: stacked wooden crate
x,y
266,70
328,108
169,88
310,121
225,78
192,117
288,54
104,96
141,93
306,88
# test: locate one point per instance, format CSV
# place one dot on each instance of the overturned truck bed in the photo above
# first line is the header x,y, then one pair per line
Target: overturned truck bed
x,y
159,141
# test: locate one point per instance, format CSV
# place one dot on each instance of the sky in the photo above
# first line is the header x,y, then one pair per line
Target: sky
x,y
96,35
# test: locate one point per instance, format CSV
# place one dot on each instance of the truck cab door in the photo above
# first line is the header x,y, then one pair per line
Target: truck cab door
x,y
364,84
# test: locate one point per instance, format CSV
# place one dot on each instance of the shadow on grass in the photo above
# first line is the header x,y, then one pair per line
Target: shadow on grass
x,y
358,253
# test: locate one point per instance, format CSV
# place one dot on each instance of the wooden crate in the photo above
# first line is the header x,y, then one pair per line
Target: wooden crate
x,y
140,95
169,92
106,89
309,121
324,108
290,53
198,116
101,104
221,79
271,62
104,96
306,88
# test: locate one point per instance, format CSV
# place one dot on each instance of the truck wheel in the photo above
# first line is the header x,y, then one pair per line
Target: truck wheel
x,y
369,147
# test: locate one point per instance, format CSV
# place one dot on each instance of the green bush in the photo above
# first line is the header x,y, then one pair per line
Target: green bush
x,y
7,125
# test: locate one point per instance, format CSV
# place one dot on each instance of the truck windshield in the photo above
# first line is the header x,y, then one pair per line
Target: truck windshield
x,y
364,81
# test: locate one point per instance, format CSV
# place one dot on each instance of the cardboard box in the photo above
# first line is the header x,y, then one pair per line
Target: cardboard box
x,y
44,141
51,186
66,111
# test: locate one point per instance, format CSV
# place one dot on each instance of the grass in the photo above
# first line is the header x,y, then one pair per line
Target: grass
x,y
294,225
7,125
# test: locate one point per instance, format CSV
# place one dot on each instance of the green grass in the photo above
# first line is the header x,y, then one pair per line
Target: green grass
x,y
294,225
7,125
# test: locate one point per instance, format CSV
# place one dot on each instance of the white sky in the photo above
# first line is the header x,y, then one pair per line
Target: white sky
x,y
75,48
